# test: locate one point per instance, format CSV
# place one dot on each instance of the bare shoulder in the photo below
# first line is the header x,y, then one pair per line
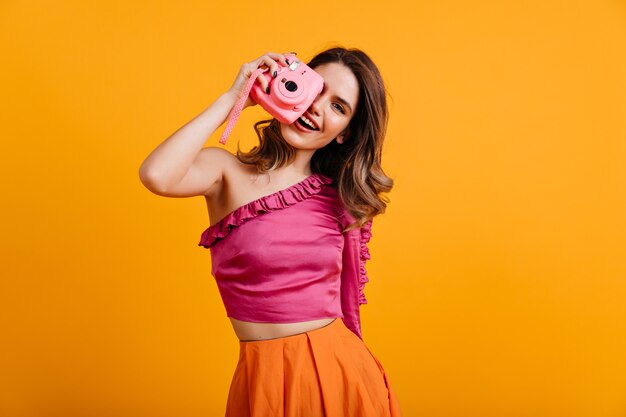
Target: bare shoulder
x,y
208,171
216,156
230,167
235,184
212,160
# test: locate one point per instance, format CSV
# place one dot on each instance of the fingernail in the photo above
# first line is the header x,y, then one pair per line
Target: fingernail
x,y
275,74
267,90
295,53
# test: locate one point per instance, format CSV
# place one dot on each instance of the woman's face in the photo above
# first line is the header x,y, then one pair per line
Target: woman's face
x,y
331,111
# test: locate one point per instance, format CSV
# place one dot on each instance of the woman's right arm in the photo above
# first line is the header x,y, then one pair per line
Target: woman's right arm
x,y
182,154
180,166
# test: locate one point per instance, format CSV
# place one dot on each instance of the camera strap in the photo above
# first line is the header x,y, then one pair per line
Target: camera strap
x,y
236,110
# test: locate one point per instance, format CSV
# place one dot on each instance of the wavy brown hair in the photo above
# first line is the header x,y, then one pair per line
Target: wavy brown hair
x,y
354,165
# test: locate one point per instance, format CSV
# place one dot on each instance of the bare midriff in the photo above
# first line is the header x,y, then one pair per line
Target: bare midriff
x,y
248,331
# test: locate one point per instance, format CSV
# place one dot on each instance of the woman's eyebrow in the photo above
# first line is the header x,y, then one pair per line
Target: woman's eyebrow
x,y
342,100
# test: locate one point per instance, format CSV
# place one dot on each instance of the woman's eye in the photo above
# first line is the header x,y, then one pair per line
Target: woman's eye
x,y
339,107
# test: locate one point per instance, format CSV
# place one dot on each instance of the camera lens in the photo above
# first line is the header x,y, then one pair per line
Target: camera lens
x,y
291,86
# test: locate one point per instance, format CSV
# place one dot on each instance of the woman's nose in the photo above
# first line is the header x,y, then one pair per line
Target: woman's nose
x,y
315,106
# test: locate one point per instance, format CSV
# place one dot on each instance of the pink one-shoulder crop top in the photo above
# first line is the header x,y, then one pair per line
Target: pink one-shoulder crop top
x,y
282,258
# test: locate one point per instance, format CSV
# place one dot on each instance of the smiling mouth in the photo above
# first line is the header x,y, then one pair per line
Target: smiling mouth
x,y
304,124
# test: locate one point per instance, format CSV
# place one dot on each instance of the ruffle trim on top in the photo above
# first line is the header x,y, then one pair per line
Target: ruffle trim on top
x,y
366,234
284,198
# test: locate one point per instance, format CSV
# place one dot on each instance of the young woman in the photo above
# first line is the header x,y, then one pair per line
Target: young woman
x,y
290,223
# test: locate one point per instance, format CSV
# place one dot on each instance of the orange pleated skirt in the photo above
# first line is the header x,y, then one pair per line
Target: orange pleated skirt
x,y
324,372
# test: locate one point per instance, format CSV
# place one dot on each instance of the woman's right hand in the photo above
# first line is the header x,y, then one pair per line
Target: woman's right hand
x,y
269,60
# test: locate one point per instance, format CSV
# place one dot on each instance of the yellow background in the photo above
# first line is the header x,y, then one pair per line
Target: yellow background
x,y
498,273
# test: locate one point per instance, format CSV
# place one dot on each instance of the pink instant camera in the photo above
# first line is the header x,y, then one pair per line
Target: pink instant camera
x,y
291,92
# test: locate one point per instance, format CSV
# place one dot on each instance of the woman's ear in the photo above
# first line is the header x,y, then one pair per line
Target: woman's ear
x,y
342,136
